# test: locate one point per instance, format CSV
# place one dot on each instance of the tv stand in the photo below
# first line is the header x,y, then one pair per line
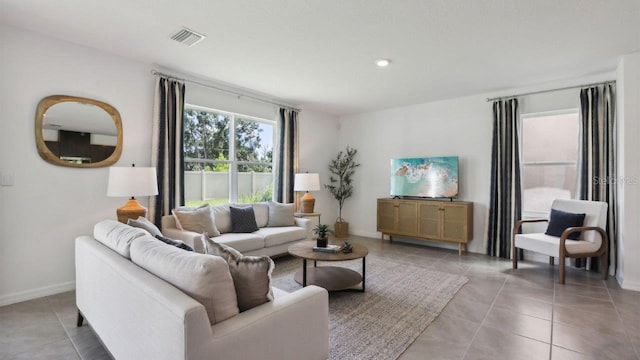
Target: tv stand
x,y
450,221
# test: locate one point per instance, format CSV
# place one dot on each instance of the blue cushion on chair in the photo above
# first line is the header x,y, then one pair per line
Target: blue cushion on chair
x,y
559,221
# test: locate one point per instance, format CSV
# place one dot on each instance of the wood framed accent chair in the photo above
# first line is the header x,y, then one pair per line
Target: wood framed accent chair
x,y
575,230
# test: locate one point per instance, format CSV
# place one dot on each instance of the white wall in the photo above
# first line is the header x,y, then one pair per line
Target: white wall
x,y
628,91
49,206
460,127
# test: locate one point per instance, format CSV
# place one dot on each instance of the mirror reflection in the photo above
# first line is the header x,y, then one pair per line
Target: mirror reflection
x,y
78,132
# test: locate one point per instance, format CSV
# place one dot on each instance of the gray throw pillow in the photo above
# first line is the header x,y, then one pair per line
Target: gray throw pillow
x,y
198,220
280,214
243,220
177,243
142,223
251,274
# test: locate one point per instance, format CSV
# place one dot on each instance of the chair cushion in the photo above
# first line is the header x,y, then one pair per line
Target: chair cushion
x,y
543,243
142,223
200,219
243,219
281,235
205,278
560,220
281,214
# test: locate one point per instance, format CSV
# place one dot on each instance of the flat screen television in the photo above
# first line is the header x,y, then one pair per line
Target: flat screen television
x,y
427,177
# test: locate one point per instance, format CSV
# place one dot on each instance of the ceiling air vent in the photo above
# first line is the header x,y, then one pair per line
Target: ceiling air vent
x,y
187,37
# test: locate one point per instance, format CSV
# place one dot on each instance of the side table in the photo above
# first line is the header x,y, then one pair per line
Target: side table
x,y
305,215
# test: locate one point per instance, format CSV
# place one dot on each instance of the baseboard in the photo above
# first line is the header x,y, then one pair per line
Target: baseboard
x,y
36,293
628,285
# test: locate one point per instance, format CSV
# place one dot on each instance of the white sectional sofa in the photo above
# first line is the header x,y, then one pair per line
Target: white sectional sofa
x,y
267,240
139,315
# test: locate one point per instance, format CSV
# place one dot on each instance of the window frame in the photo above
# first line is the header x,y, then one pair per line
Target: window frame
x,y
524,164
233,162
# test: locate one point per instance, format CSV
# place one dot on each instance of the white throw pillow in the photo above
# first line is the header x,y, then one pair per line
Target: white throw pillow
x,y
200,219
281,214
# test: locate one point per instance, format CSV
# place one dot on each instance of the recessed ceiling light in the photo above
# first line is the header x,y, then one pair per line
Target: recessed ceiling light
x,y
383,62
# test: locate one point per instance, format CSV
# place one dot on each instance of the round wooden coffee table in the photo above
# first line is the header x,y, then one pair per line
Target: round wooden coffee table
x,y
332,278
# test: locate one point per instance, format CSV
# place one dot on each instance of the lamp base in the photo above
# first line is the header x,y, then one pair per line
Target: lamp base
x,y
307,202
131,210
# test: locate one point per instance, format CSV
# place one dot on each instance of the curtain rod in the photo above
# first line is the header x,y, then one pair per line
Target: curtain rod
x,y
550,90
238,94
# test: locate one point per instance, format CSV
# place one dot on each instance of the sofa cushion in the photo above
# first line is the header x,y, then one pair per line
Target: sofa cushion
x,y
243,219
142,223
205,278
281,235
177,243
281,214
118,236
200,219
251,274
222,216
242,242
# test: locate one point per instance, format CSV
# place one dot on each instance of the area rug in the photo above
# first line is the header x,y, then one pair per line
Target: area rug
x,y
400,301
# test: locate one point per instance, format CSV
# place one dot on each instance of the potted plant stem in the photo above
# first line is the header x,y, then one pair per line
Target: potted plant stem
x,y
342,169
322,230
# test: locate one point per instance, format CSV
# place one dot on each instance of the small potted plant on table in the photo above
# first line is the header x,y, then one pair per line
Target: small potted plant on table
x,y
322,230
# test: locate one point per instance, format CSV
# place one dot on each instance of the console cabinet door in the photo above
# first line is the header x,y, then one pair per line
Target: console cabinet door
x,y
429,226
407,218
386,216
455,219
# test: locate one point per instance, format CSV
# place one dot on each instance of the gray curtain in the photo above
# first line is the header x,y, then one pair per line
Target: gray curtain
x,y
287,156
167,153
597,160
505,194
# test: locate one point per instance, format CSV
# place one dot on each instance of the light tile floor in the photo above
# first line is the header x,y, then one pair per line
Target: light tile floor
x,y
499,314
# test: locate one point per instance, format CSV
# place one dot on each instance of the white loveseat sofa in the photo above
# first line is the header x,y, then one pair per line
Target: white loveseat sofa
x,y
268,240
138,315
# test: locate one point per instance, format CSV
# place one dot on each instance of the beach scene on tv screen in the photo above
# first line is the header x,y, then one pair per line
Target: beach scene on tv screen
x,y
434,177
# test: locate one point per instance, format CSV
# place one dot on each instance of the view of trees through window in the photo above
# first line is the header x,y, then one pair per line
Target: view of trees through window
x,y
228,157
550,158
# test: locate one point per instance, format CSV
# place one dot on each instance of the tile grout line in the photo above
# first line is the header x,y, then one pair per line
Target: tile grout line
x,y
75,347
466,351
624,326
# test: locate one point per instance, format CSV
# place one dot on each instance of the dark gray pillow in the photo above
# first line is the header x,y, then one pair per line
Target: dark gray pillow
x,y
243,220
145,224
177,243
559,221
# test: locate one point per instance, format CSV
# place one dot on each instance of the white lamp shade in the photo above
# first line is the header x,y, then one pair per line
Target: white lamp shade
x,y
132,181
306,182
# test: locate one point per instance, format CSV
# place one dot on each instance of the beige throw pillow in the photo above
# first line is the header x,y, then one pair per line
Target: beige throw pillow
x,y
280,214
205,278
198,220
251,274
145,224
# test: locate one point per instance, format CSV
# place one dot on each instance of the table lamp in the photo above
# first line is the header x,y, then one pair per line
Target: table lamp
x,y
131,182
307,182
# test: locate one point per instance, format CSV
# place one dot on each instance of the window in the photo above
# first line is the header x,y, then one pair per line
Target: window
x,y
228,157
550,158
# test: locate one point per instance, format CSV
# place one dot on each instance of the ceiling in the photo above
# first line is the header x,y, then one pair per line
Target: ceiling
x,y
320,55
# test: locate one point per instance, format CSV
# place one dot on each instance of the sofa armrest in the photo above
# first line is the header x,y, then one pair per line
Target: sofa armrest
x,y
169,229
305,223
294,326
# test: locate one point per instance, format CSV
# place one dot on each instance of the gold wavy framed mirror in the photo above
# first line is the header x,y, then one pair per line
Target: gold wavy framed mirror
x,y
78,132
